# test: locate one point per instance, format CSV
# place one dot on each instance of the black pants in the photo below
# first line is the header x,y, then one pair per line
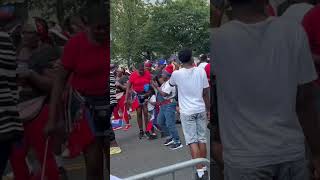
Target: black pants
x,y
4,156
110,133
110,136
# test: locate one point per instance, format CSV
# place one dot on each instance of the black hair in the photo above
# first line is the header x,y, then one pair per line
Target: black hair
x,y
139,65
185,55
203,58
152,91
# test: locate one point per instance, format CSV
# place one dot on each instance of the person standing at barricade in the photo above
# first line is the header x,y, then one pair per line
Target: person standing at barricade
x,y
194,102
86,61
166,117
140,83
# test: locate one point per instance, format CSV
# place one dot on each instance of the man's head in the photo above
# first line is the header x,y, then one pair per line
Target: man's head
x,y
120,71
30,36
147,65
185,56
140,68
98,23
166,73
203,58
162,63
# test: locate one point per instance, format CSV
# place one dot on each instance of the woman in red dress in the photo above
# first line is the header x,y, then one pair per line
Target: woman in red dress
x,y
139,82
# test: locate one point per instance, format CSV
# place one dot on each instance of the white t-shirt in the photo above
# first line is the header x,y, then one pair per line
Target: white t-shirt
x,y
202,65
296,12
171,90
258,69
152,99
190,84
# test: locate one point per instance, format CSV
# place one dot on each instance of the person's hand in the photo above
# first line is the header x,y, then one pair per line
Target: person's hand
x,y
316,165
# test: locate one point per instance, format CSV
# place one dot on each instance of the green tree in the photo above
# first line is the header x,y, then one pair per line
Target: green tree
x,y
128,18
157,30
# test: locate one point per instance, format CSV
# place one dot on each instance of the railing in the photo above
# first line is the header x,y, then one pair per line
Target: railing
x,y
151,175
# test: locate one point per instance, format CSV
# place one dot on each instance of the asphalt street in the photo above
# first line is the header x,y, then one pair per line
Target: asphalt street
x,y
138,156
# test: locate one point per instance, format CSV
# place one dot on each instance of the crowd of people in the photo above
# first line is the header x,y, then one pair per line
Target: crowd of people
x,y
54,93
160,90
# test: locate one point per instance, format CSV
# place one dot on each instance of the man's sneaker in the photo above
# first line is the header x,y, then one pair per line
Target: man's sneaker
x,y
176,146
168,142
205,176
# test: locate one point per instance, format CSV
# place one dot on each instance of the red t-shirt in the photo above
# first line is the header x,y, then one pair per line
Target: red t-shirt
x,y
207,69
311,25
138,82
89,64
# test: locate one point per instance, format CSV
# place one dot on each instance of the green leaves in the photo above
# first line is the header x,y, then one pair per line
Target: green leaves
x,y
161,29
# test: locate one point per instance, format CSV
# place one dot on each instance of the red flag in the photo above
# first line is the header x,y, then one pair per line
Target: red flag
x,y
149,126
125,114
135,104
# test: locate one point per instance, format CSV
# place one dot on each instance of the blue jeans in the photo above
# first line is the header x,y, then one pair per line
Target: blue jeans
x,y
167,121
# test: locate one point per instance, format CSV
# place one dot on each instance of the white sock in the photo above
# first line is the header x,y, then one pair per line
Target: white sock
x,y
59,161
205,168
200,172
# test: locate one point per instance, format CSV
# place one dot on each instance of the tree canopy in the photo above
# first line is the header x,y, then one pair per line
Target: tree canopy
x,y
142,30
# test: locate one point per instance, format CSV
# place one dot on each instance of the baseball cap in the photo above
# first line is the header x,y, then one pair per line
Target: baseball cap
x,y
162,62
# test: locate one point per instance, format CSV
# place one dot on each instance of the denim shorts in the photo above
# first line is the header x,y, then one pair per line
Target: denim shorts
x,y
294,170
194,127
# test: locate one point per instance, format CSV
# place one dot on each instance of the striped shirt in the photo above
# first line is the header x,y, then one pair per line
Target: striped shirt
x,y
113,89
10,124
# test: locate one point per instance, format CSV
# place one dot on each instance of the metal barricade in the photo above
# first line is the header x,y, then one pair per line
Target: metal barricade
x,y
151,175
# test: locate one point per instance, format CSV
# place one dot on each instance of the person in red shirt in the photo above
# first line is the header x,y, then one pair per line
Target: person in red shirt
x,y
85,65
140,84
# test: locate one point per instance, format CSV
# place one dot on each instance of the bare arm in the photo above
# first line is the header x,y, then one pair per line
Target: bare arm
x,y
59,84
308,117
206,98
128,90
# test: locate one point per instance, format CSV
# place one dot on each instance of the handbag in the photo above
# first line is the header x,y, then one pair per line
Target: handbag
x,y
28,110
